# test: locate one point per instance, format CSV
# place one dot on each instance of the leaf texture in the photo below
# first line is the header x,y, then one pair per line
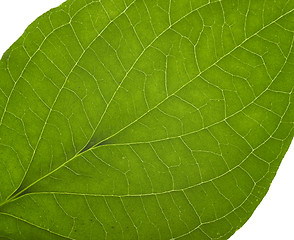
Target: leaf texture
x,y
136,119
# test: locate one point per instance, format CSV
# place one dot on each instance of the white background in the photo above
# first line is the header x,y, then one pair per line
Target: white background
x,y
273,219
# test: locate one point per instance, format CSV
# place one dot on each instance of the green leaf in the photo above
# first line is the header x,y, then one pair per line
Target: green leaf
x,y
136,119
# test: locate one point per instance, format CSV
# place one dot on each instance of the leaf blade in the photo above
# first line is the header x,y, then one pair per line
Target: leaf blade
x,y
172,155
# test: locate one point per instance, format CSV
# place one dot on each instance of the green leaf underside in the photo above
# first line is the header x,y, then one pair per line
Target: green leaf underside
x,y
142,119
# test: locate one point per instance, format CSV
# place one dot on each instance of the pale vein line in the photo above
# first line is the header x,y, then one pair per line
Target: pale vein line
x,y
59,92
213,64
90,149
34,225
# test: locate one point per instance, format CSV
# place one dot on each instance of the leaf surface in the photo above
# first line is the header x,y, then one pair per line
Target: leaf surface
x,y
144,119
